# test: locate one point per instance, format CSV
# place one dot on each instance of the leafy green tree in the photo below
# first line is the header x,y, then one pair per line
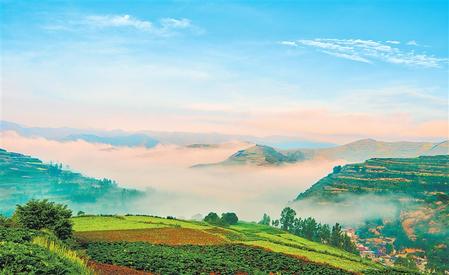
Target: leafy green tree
x,y
275,223
212,218
40,214
325,233
310,228
81,213
265,219
348,245
336,234
229,218
287,218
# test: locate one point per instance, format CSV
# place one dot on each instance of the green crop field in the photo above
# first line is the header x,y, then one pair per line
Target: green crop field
x,y
249,234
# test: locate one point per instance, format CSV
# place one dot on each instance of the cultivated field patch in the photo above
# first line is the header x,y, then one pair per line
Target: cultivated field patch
x,y
168,235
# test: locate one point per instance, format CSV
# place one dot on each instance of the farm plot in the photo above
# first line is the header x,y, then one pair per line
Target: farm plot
x,y
168,235
191,259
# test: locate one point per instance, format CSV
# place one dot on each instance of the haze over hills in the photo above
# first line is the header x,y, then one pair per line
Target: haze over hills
x,y
23,178
352,152
369,148
151,138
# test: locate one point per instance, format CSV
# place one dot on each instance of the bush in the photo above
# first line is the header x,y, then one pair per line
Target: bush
x,y
40,214
17,235
16,258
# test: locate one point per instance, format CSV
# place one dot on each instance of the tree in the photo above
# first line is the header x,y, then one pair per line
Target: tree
x,y
40,214
325,233
81,213
229,218
310,228
275,223
265,219
212,218
337,169
348,245
336,235
287,218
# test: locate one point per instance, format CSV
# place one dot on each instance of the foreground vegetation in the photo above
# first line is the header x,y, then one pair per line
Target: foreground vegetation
x,y
194,259
42,238
181,233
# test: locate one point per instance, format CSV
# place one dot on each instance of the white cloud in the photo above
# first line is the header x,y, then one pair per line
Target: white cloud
x,y
176,23
119,21
368,51
412,43
393,42
163,27
288,43
348,56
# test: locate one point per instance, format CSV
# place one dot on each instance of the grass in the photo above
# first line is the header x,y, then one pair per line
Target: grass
x,y
65,253
99,223
317,257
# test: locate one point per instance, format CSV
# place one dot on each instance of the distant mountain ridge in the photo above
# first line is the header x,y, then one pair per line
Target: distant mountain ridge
x,y
261,155
151,138
369,148
257,155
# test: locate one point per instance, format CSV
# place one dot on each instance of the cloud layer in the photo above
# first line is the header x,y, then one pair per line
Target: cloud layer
x,y
178,189
369,51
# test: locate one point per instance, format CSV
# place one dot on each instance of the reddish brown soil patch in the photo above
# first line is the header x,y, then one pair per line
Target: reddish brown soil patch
x,y
169,235
108,269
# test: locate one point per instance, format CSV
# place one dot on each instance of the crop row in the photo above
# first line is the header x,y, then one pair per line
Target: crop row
x,y
194,259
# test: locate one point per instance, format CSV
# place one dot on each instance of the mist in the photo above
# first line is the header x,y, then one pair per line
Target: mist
x,y
173,188
351,210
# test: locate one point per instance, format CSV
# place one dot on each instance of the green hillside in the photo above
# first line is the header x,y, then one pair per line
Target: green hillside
x,y
417,187
23,178
149,235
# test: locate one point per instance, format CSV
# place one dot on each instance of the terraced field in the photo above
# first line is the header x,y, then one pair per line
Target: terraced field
x,y
154,230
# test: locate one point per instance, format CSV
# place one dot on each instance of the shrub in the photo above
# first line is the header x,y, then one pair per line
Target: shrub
x,y
56,247
17,258
39,214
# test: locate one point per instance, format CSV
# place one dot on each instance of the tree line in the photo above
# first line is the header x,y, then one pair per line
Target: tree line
x,y
310,229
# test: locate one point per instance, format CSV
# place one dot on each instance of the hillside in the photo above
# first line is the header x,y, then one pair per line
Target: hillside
x,y
257,155
178,237
23,178
417,188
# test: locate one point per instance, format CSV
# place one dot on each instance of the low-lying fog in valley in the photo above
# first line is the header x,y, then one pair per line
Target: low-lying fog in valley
x,y
173,187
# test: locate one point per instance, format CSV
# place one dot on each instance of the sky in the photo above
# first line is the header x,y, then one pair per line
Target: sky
x,y
331,71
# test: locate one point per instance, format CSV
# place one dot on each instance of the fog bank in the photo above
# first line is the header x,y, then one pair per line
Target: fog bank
x,y
176,189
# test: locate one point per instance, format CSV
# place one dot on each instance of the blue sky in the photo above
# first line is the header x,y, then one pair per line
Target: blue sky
x,y
326,70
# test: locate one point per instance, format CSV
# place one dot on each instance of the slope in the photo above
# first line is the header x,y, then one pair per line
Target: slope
x,y
162,231
416,188
23,178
